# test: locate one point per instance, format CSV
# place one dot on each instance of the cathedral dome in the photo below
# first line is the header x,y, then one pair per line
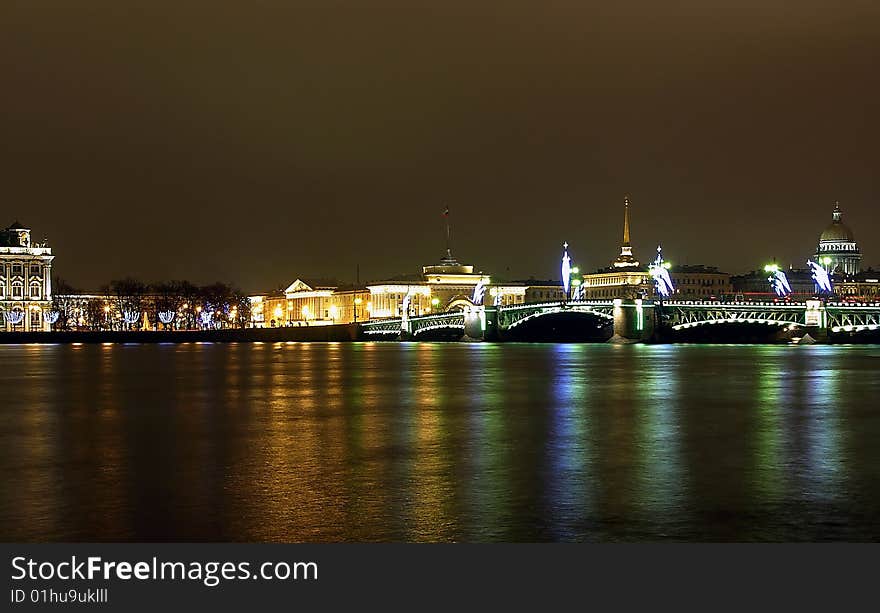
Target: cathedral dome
x,y
838,250
837,231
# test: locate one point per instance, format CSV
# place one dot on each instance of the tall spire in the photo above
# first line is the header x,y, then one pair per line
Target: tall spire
x,y
626,258
836,214
448,260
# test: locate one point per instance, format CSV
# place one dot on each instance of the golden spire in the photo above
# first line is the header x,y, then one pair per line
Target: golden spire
x,y
625,259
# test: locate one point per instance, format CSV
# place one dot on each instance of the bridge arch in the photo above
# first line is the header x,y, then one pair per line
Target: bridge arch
x,y
557,323
459,303
560,311
791,325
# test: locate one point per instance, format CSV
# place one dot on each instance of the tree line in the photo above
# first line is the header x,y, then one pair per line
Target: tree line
x,y
129,304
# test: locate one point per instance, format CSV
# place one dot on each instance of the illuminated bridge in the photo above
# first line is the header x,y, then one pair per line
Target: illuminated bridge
x,y
578,319
628,320
832,316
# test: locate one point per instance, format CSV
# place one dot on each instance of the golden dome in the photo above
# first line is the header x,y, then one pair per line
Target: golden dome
x,y
837,231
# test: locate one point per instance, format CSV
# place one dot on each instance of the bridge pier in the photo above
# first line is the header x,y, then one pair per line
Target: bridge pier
x,y
818,334
481,323
634,320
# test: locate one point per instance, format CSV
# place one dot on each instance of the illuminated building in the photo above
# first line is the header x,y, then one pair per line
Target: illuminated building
x,y
838,251
258,310
439,288
863,287
310,303
446,286
25,281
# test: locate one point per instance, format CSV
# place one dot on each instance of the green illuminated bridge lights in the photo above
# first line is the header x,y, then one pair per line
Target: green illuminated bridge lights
x,y
818,314
633,320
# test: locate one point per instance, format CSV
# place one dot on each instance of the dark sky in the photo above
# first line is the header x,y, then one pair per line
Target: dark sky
x,y
256,142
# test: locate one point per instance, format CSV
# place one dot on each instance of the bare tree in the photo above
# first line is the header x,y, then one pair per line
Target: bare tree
x,y
66,303
130,298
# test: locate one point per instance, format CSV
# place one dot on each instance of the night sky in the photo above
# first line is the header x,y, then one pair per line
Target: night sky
x,y
256,142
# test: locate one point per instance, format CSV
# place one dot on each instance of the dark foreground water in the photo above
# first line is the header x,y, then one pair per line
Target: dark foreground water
x,y
439,442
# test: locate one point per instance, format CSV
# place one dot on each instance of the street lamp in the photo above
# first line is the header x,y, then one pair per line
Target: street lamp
x,y
827,262
357,302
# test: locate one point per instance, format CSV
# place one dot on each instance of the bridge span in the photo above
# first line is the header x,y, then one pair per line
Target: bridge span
x,y
628,320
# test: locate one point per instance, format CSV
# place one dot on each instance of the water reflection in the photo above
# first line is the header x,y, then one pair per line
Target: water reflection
x,y
569,471
486,450
661,480
439,442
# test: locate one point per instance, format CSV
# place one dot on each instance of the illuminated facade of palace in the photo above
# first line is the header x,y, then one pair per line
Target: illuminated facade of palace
x,y
25,281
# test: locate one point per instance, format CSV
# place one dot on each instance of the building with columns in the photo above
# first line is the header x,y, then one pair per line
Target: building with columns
x,y
25,281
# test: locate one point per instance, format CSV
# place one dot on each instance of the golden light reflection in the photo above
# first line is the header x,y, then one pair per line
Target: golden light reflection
x,y
430,466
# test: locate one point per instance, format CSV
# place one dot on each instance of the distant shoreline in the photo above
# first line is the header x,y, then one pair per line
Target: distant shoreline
x,y
338,333
331,333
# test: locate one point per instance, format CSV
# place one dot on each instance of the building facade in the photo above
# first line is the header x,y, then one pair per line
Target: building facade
x,y
25,281
863,287
439,288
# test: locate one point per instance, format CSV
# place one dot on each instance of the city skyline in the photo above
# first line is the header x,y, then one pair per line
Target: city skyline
x,y
510,275
315,144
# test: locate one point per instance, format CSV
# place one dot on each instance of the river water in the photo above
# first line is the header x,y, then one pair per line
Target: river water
x,y
439,442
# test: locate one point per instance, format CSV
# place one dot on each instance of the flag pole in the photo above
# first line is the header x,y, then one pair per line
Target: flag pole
x,y
448,249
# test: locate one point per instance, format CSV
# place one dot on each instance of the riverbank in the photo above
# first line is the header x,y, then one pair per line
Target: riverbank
x,y
336,333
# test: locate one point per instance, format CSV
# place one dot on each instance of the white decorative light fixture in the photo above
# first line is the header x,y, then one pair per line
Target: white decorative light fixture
x,y
166,317
479,292
51,317
15,317
820,276
566,268
659,270
131,317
